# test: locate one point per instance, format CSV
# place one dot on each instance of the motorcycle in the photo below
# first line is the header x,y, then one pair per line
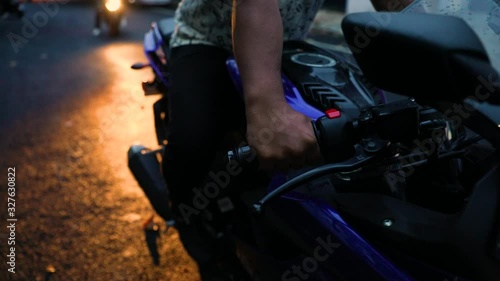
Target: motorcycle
x,y
410,187
113,14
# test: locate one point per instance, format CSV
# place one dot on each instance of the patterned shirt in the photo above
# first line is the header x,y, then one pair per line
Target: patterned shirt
x,y
209,21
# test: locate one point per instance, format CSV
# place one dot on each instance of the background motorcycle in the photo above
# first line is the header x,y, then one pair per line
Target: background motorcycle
x,y
410,188
113,15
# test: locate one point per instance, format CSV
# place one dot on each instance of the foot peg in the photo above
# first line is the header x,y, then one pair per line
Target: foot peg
x,y
140,65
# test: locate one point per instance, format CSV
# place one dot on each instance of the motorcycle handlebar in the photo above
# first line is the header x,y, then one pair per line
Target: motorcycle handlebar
x,y
241,155
334,137
337,134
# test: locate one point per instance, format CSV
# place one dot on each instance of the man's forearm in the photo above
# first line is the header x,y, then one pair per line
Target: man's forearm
x,y
257,45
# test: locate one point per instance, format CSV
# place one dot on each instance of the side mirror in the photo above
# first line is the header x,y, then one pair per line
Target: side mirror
x,y
426,56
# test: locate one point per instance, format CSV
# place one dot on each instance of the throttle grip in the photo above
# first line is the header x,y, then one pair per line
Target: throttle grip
x,y
241,155
335,138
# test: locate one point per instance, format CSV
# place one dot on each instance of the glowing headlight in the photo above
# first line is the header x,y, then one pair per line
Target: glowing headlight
x,y
113,5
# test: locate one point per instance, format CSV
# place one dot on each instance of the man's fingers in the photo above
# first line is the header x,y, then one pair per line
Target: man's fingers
x,y
314,157
266,165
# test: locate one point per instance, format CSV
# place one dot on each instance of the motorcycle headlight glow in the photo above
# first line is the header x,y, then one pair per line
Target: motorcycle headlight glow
x,y
113,5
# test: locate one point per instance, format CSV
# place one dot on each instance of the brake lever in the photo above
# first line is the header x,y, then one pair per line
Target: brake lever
x,y
362,157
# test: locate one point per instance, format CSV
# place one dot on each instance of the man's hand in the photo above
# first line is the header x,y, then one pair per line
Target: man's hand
x,y
282,137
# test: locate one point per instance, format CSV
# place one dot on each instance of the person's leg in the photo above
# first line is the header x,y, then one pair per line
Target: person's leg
x,y
97,19
97,22
203,106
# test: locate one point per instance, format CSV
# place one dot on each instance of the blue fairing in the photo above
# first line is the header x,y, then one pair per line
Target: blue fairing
x,y
355,258
314,219
326,218
152,42
292,94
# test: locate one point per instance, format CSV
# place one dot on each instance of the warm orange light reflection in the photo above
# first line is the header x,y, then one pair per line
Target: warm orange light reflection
x,y
124,114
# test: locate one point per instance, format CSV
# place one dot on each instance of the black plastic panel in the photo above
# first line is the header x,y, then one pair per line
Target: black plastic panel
x,y
326,79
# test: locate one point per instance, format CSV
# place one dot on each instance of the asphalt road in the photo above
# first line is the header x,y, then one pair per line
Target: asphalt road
x,y
70,107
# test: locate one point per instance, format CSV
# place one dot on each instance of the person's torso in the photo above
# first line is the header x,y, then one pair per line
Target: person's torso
x,y
209,21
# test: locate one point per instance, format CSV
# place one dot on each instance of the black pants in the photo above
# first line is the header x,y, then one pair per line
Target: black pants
x,y
97,19
99,10
203,106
